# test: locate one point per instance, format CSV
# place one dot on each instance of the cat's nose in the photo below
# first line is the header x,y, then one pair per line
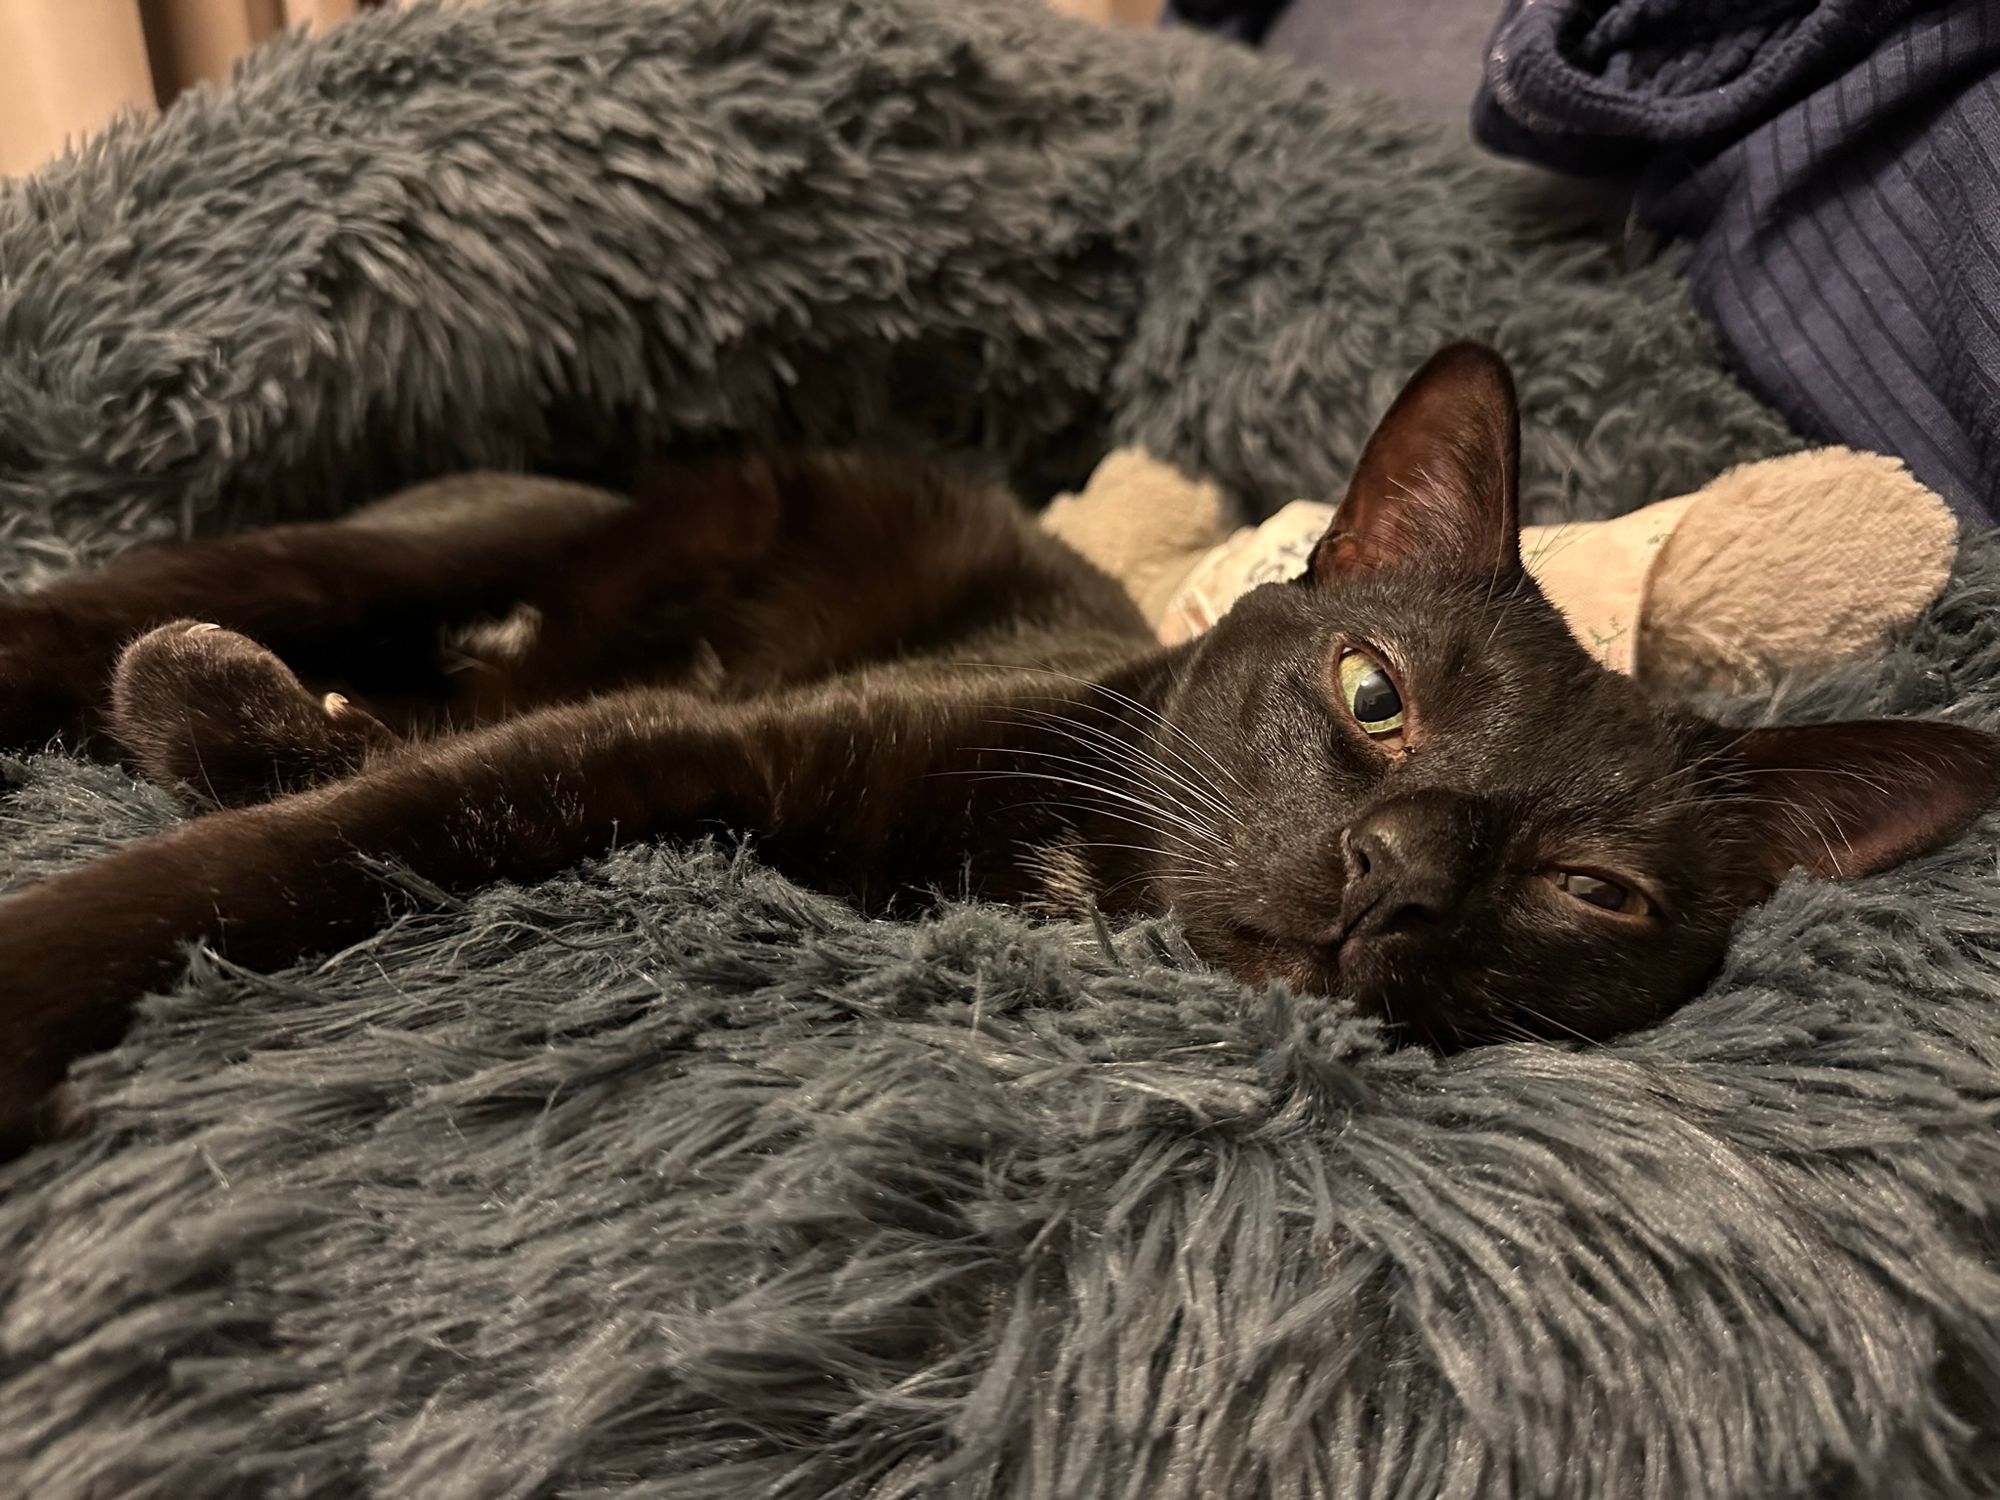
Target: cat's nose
x,y
1409,863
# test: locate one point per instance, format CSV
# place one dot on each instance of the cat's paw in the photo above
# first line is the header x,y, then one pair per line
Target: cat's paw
x,y
213,715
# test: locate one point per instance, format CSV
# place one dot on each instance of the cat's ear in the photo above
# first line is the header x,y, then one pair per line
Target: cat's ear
x,y
1438,481
1856,798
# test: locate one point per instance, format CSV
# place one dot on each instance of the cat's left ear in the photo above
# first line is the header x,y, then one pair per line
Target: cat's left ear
x,y
1438,483
1840,800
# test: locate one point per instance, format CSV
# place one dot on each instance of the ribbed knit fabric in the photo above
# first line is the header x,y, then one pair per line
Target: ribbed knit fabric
x,y
1832,167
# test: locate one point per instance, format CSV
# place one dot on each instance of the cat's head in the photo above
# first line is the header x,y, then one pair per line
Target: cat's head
x,y
1420,791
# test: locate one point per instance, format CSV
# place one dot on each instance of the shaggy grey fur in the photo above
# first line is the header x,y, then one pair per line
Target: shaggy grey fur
x,y
666,1179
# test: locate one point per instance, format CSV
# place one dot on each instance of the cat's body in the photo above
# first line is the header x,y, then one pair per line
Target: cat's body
x,y
1400,777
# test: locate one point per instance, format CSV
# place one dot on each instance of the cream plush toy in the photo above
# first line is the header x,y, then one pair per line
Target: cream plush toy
x,y
1790,562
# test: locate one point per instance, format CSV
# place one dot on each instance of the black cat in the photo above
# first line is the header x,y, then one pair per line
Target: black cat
x,y
1399,777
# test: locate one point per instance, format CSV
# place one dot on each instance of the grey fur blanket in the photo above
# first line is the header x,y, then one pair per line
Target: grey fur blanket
x,y
667,1179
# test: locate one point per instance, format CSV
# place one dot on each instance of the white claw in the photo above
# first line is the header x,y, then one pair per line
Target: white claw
x,y
202,629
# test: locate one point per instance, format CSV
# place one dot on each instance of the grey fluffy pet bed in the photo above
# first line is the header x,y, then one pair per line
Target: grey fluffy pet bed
x,y
665,1178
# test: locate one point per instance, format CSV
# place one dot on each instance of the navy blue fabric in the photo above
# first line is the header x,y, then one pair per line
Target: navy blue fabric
x,y
1835,170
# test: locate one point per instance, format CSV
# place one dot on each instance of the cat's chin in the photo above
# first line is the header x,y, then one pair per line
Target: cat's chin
x,y
1259,957
1365,972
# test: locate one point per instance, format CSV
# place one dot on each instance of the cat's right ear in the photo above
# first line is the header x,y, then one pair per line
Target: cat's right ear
x,y
1439,481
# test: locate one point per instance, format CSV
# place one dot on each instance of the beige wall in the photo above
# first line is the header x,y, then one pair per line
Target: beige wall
x,y
1112,12
68,66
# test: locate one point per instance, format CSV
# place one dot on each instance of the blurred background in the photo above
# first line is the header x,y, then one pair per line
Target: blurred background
x,y
1827,170
1425,53
68,66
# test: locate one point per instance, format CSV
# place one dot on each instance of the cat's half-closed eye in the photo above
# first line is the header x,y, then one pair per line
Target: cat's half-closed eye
x,y
1860,797
1438,483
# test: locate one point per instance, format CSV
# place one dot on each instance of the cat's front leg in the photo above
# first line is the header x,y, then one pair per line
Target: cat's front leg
x,y
267,884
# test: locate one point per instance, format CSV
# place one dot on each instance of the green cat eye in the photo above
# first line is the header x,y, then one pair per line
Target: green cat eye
x,y
1606,895
1370,693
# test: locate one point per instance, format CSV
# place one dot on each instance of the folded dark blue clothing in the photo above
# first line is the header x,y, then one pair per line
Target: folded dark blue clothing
x,y
1834,168
1589,86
